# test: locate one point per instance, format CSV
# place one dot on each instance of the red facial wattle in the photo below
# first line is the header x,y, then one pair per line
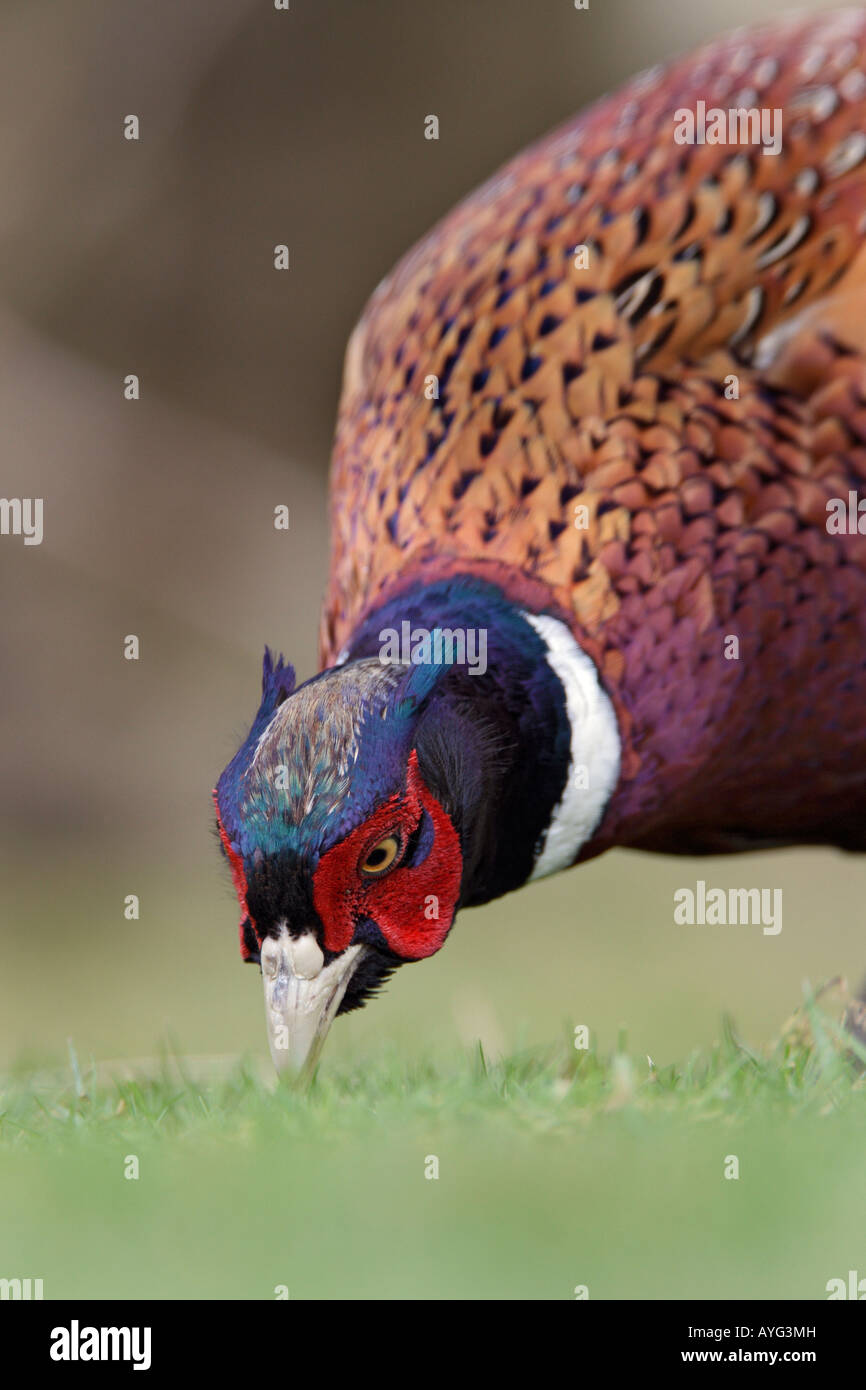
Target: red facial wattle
x,y
239,879
413,906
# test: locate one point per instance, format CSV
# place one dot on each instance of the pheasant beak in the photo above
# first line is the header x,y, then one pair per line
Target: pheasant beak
x,y
302,996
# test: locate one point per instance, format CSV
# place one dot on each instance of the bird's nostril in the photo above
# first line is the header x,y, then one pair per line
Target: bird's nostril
x,y
306,956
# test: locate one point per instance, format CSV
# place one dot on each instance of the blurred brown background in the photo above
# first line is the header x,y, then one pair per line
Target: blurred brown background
x,y
156,257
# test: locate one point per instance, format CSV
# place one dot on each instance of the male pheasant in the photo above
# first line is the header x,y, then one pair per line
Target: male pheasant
x,y
604,430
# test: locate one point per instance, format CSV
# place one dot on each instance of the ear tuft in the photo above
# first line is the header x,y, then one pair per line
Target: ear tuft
x,y
421,678
278,680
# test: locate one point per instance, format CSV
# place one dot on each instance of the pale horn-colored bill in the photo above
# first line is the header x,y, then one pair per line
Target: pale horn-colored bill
x,y
302,996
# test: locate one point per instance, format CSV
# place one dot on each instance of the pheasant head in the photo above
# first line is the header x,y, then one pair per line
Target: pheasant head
x,y
345,860
370,803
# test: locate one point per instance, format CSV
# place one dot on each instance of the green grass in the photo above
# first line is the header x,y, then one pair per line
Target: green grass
x,y
557,1168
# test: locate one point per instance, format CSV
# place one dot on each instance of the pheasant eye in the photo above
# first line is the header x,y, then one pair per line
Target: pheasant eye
x,y
381,857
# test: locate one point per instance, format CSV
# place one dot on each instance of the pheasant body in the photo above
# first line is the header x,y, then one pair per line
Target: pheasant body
x,y
603,412
605,387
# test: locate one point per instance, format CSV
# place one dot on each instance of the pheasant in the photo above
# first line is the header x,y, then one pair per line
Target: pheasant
x,y
599,555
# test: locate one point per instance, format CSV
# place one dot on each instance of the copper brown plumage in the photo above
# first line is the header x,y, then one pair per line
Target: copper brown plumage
x,y
605,387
